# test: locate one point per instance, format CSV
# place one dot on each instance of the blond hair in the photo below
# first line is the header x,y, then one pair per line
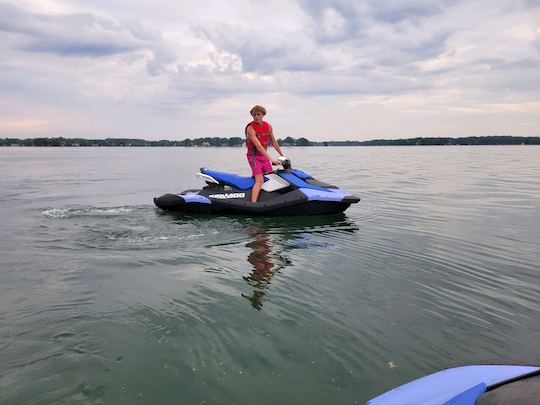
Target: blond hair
x,y
258,108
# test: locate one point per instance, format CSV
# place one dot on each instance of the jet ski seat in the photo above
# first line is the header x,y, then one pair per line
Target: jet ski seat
x,y
233,180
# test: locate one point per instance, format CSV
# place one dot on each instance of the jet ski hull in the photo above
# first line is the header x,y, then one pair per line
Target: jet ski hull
x,y
293,203
285,193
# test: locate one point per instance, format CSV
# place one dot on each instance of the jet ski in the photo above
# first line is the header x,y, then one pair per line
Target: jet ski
x,y
285,191
490,384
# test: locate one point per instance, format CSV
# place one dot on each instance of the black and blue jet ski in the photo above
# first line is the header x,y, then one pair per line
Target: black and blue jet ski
x,y
285,192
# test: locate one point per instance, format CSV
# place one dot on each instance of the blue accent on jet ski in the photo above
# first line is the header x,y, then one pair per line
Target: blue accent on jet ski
x,y
301,174
233,180
298,182
322,194
468,397
195,198
448,385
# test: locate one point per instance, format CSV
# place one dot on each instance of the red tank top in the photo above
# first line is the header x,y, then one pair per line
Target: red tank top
x,y
263,135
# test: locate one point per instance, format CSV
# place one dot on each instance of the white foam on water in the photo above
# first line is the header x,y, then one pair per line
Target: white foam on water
x,y
72,212
157,238
56,213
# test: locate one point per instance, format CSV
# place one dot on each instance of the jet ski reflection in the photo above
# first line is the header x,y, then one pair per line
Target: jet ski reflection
x,y
271,240
265,264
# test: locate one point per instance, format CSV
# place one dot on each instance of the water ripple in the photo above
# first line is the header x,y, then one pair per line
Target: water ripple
x,y
107,299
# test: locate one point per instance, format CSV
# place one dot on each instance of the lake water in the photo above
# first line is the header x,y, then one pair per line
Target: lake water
x,y
106,299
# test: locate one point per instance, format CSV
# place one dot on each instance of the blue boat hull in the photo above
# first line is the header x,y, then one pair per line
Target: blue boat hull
x,y
492,384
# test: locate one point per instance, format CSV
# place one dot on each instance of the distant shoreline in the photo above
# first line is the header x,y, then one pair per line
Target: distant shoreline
x,y
239,142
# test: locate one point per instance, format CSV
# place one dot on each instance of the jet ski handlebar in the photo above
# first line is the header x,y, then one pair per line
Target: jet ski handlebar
x,y
285,162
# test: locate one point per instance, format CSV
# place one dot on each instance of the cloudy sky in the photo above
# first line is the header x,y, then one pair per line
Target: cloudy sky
x,y
324,69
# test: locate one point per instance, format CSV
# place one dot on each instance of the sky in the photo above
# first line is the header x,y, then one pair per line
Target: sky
x,y
325,70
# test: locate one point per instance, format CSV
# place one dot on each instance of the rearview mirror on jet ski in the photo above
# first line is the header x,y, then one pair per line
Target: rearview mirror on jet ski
x,y
285,191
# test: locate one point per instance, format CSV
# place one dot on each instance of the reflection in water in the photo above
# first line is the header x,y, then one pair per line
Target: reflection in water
x,y
265,264
270,238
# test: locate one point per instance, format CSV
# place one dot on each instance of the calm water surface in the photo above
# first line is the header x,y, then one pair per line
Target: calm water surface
x,y
106,299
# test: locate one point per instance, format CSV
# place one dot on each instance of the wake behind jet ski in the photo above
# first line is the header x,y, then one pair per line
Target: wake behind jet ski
x,y
285,192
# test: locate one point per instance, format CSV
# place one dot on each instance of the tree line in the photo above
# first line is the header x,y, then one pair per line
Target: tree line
x,y
289,141
215,142
469,140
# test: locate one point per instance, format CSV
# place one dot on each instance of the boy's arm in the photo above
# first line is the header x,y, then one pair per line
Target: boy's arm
x,y
274,142
253,138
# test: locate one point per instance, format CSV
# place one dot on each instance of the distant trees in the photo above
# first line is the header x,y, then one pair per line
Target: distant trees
x,y
235,141
288,141
302,142
470,140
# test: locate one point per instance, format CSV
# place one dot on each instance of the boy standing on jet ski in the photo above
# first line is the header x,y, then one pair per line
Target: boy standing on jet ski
x,y
258,134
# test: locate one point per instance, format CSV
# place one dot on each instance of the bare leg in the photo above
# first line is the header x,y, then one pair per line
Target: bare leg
x,y
259,180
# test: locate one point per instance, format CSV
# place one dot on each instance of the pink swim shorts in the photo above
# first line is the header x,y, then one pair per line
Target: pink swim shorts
x,y
259,164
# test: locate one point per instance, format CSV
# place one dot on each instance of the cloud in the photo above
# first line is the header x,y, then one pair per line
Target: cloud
x,y
264,52
396,11
67,35
527,4
84,35
334,22
157,66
